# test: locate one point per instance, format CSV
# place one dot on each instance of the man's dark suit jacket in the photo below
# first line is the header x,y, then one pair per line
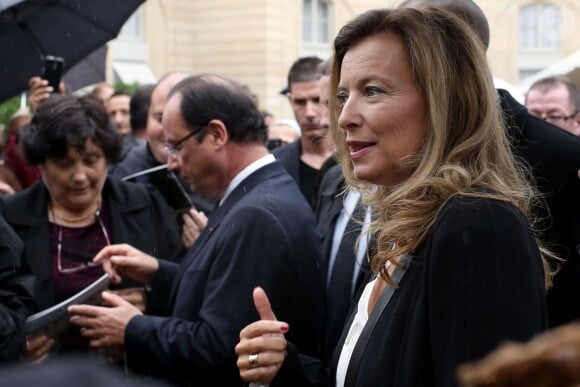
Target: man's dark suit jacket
x,y
138,159
16,286
554,157
289,156
470,286
264,234
330,203
137,217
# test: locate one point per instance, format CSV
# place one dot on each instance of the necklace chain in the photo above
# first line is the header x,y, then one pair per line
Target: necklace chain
x,y
77,219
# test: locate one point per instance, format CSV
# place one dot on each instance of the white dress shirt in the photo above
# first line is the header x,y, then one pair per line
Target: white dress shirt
x,y
241,176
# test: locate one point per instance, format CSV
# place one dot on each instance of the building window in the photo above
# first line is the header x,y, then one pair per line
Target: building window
x,y
132,27
540,26
526,73
315,21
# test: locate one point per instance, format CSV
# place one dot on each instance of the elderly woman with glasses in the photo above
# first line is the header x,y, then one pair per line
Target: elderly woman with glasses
x,y
76,209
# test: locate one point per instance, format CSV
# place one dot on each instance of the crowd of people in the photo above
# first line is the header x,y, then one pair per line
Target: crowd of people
x,y
405,223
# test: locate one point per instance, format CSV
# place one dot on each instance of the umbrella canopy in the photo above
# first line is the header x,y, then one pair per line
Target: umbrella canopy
x,y
8,3
71,29
88,71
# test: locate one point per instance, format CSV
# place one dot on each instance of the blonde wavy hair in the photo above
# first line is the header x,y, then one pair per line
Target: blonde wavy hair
x,y
465,152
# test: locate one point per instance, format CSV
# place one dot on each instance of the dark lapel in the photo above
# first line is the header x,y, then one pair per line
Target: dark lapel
x,y
330,204
364,338
289,156
255,179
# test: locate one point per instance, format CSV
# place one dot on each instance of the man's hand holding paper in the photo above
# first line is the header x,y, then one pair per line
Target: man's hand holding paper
x,y
105,325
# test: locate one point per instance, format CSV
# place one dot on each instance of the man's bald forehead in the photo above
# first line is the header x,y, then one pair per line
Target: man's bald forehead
x,y
166,83
467,10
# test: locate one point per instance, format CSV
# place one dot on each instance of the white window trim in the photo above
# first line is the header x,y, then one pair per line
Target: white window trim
x,y
538,26
315,21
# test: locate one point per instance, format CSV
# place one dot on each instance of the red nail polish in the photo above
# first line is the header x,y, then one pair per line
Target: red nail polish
x,y
284,328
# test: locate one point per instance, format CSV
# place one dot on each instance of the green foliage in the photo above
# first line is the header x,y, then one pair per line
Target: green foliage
x,y
7,108
128,87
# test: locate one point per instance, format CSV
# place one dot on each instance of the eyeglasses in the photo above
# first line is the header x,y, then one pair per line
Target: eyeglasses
x,y
173,150
84,265
555,118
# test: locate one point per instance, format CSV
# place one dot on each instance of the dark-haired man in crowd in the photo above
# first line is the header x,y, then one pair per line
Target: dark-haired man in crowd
x,y
304,157
118,110
138,113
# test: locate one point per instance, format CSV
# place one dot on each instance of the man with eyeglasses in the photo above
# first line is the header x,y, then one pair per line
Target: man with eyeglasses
x,y
262,233
153,154
556,100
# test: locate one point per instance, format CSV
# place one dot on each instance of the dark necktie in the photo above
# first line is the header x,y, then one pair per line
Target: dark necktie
x,y
339,291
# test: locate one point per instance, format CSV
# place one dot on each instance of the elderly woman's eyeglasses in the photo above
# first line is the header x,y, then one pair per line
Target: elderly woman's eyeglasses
x,y
173,149
81,266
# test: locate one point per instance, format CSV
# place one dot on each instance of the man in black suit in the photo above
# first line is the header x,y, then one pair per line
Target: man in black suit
x,y
554,158
216,139
340,215
342,219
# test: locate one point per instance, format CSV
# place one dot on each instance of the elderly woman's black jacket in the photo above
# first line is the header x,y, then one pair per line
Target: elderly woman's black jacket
x,y
16,282
137,217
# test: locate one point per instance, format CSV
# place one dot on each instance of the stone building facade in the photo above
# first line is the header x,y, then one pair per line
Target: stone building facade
x,y
255,41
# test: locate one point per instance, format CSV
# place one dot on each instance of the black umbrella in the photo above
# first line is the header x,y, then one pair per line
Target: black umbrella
x,y
88,71
71,29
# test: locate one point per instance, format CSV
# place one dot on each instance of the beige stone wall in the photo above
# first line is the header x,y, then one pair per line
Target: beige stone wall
x,y
255,41
504,54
